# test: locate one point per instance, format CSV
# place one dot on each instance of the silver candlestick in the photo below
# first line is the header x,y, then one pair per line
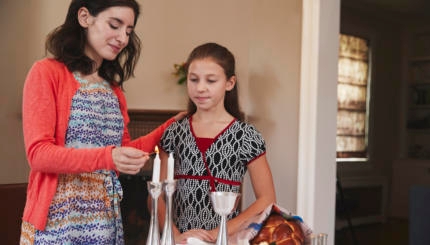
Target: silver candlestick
x,y
223,203
169,187
154,189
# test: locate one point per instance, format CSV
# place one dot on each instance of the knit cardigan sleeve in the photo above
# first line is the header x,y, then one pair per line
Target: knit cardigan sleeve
x,y
47,95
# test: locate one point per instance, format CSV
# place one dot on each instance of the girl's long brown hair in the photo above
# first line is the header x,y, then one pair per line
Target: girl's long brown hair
x,y
224,58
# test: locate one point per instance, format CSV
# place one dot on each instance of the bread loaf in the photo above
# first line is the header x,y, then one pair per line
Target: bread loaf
x,y
277,230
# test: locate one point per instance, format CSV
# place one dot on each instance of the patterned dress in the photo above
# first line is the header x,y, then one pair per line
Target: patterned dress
x,y
85,208
205,165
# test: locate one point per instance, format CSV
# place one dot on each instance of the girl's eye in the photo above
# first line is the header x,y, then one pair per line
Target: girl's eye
x,y
194,80
211,81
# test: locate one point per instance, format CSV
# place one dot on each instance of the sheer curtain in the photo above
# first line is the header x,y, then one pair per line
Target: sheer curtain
x,y
353,73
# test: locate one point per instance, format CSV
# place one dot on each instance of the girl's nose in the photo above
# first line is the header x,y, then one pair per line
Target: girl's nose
x,y
201,86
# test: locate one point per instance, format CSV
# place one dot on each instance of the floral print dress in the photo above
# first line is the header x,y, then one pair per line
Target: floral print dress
x,y
85,208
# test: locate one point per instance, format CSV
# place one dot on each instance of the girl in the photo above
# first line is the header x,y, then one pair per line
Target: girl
x,y
213,148
75,127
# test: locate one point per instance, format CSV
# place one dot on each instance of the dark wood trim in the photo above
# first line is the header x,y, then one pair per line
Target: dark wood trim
x,y
144,121
12,208
150,115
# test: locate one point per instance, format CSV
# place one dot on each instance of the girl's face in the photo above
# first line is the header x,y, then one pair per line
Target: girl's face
x,y
207,84
107,33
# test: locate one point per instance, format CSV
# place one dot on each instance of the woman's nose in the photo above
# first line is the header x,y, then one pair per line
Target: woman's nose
x,y
122,38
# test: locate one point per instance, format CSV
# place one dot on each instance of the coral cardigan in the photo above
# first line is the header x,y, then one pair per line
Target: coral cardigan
x,y
47,98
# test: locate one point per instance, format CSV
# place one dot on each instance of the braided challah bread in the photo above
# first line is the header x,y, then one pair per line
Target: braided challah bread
x,y
277,230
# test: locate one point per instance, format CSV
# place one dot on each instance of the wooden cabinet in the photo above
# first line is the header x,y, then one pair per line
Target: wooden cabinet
x,y
413,167
417,88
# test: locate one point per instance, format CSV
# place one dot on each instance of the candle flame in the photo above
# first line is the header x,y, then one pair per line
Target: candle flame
x,y
156,150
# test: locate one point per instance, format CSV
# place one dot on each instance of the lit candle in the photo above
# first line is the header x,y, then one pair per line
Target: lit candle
x,y
170,167
156,167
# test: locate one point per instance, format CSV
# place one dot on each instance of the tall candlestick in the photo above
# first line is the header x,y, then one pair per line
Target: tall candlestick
x,y
167,238
156,167
170,167
154,189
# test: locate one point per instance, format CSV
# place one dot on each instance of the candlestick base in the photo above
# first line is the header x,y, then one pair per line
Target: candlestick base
x,y
169,187
154,189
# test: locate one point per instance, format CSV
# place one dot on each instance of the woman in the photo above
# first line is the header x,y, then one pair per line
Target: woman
x,y
75,127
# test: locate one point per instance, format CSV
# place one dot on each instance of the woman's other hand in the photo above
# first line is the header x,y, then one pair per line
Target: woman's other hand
x,y
129,160
180,115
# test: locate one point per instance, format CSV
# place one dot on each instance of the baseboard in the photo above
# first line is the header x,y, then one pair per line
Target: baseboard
x,y
342,223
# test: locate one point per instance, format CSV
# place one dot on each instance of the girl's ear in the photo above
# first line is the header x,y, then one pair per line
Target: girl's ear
x,y
231,82
84,17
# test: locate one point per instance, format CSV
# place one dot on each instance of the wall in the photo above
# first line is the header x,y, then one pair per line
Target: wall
x,y
169,31
274,75
264,36
17,51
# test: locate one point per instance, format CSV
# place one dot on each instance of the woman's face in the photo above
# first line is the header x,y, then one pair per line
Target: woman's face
x,y
108,32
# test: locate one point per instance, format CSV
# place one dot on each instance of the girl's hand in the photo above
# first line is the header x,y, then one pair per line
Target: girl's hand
x,y
129,160
201,234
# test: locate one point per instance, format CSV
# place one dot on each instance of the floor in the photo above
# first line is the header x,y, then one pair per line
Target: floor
x,y
392,232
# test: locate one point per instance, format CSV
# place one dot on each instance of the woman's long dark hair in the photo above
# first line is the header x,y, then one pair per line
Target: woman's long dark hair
x,y
224,58
67,43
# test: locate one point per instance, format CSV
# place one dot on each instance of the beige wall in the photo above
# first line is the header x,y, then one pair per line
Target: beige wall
x,y
26,23
169,31
274,81
264,36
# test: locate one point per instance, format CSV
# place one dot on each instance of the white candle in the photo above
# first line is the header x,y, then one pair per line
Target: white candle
x,y
156,167
170,167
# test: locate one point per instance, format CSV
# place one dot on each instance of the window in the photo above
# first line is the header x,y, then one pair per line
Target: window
x,y
352,99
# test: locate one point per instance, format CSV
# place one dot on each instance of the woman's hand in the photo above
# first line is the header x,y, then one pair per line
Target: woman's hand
x,y
180,115
201,234
129,160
